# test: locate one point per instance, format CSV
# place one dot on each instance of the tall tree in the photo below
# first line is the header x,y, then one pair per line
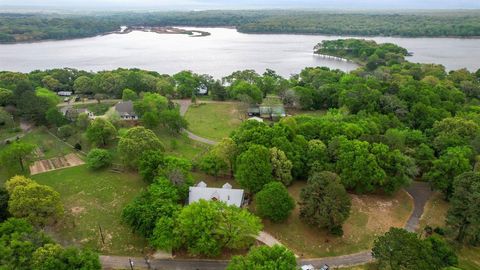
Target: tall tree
x,y
452,163
254,169
274,202
18,242
399,249
325,203
101,132
15,154
464,214
281,166
135,142
39,204
206,227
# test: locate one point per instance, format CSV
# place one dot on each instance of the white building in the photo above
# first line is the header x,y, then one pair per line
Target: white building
x,y
225,194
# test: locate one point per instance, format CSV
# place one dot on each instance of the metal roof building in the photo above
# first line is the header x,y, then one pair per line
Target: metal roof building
x,y
225,194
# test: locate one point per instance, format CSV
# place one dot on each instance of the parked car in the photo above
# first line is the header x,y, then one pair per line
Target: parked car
x,y
325,267
308,267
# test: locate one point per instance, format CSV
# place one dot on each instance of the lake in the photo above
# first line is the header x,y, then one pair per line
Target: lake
x,y
219,54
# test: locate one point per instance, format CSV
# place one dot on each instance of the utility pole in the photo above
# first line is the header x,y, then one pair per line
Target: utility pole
x,y
131,263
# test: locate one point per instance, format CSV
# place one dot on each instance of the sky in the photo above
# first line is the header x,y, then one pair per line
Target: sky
x,y
245,4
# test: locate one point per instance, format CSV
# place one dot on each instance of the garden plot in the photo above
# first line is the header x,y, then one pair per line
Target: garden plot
x,y
45,165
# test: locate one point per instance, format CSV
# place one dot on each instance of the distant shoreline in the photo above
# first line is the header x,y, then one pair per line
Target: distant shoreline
x,y
199,33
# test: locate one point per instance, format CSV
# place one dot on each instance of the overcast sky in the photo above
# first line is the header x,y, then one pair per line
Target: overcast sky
x,y
226,4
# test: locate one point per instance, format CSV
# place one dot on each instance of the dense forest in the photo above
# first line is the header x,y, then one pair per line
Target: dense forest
x,y
32,27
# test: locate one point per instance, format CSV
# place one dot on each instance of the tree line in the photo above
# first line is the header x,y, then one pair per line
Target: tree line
x,y
19,27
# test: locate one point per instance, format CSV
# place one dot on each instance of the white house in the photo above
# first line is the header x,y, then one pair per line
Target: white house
x,y
225,194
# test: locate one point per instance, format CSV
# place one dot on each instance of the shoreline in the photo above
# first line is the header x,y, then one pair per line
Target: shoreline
x,y
181,30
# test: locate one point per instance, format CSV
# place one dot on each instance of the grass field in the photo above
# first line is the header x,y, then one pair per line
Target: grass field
x,y
435,212
214,121
92,199
47,144
181,145
371,215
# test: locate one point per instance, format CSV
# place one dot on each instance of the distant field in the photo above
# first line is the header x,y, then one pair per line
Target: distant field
x,y
371,215
214,121
95,199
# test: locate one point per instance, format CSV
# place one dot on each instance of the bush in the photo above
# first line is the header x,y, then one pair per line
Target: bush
x,y
274,202
98,158
65,131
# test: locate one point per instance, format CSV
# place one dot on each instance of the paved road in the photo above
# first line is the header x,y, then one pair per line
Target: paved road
x,y
184,104
116,262
420,192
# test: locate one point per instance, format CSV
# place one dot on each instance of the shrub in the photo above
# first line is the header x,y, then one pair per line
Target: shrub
x,y
98,158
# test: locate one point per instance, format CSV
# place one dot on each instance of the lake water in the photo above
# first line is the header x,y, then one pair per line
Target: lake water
x,y
219,54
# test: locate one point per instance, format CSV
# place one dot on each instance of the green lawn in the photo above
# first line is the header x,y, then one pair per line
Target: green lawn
x,y
214,121
181,145
371,215
48,145
94,199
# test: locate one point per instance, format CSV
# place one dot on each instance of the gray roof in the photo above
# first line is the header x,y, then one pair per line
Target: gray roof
x,y
227,195
125,108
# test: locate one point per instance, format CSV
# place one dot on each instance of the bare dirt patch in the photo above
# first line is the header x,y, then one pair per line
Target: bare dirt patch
x,y
77,210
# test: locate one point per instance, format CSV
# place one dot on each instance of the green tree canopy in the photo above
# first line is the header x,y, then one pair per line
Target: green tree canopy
x,y
135,142
101,132
254,168
450,164
265,258
99,158
463,215
325,203
39,204
274,202
206,227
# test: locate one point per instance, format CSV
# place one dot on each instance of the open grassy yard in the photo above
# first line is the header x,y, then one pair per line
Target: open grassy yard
x,y
94,199
435,212
214,121
181,145
371,215
48,146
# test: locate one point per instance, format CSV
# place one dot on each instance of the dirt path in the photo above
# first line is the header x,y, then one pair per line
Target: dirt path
x,y
267,239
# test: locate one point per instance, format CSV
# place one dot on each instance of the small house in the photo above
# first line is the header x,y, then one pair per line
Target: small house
x,y
224,194
125,110
72,113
